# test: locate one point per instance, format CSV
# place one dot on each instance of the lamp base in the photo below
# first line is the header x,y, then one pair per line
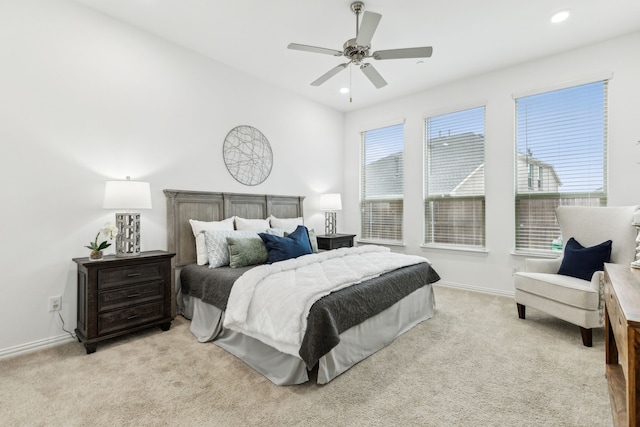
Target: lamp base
x,y
330,223
128,238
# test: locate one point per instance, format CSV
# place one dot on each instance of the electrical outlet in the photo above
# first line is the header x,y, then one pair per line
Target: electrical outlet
x,y
55,303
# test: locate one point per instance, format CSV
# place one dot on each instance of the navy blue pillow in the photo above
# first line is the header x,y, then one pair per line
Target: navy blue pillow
x,y
582,262
281,248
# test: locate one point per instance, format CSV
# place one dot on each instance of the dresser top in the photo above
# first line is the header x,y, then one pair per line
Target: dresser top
x,y
113,260
626,284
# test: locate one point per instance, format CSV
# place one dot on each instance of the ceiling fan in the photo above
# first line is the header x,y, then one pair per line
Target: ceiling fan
x,y
357,49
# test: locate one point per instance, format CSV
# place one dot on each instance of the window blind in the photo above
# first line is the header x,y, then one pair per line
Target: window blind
x,y
382,178
454,203
561,152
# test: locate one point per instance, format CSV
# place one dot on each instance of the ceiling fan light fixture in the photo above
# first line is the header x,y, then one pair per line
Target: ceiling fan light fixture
x,y
560,16
344,90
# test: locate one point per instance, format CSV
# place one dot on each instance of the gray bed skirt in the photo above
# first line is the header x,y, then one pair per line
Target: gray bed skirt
x,y
356,343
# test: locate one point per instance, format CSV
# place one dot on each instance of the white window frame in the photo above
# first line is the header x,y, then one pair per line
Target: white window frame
x,y
534,227
468,231
390,207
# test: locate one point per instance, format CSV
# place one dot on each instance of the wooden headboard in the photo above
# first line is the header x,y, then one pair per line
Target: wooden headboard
x,y
207,206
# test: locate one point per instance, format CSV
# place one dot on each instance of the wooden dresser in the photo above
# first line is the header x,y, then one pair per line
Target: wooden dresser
x,y
117,296
622,342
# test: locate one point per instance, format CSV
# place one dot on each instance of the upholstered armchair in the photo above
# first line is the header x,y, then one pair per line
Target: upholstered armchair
x,y
574,299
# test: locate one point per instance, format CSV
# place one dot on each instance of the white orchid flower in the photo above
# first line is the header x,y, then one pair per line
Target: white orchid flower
x,y
110,230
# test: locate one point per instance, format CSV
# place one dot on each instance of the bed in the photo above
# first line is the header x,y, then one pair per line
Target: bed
x,y
342,328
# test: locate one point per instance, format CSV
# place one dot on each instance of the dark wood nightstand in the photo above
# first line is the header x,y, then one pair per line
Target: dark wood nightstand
x,y
335,241
117,296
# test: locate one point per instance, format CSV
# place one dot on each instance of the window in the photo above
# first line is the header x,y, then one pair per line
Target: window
x,y
562,134
540,171
382,178
454,201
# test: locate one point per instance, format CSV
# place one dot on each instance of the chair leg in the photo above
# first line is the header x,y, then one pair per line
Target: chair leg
x,y
587,336
521,310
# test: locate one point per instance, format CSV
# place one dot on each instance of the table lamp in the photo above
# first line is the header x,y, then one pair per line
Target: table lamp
x,y
330,203
127,195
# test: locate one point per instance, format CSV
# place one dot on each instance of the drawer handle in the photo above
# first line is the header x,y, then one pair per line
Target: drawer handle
x,y
133,317
134,274
133,295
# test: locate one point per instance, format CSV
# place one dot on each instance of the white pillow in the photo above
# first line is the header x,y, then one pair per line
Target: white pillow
x,y
217,247
258,225
275,232
287,224
198,226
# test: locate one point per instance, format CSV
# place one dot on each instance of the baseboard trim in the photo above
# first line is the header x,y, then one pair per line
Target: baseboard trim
x,y
66,338
6,353
479,289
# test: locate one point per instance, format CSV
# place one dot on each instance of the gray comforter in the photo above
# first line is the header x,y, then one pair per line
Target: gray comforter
x,y
329,316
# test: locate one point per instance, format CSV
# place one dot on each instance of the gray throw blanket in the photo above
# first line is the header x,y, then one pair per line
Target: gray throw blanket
x,y
329,316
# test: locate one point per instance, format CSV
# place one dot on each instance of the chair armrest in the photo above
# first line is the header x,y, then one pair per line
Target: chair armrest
x,y
534,265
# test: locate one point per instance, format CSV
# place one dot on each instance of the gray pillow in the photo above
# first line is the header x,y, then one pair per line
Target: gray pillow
x,y
246,251
313,240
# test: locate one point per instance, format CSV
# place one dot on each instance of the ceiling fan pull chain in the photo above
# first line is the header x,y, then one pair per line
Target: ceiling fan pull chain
x,y
350,85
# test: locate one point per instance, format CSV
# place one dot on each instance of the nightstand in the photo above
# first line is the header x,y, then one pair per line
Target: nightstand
x,y
117,296
335,241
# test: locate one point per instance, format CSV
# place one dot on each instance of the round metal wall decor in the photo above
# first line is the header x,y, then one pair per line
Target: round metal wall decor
x,y
247,155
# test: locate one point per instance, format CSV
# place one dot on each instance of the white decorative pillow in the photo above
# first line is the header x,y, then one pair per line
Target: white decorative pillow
x,y
198,226
217,246
275,231
258,225
287,224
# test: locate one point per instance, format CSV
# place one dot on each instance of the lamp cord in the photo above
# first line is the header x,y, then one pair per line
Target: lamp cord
x,y
63,328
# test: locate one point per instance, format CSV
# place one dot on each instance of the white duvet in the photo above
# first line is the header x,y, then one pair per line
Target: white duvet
x,y
271,302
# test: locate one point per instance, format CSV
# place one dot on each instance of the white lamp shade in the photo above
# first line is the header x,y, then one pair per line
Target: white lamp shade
x,y
127,195
330,202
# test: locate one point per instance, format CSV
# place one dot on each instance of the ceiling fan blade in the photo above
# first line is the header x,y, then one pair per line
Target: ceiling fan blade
x,y
332,72
314,49
410,52
369,24
373,75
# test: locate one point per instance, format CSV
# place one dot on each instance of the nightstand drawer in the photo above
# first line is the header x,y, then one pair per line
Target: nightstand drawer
x,y
129,317
124,297
120,276
343,243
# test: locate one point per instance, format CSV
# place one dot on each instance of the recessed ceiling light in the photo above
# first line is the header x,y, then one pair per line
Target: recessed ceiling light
x,y
560,16
344,90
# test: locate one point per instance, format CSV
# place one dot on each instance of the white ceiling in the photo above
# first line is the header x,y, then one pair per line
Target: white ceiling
x,y
468,37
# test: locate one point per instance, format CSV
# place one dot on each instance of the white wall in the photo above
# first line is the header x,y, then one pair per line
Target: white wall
x,y
493,271
85,99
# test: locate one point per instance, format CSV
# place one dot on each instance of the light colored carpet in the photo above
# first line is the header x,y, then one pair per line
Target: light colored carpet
x,y
473,364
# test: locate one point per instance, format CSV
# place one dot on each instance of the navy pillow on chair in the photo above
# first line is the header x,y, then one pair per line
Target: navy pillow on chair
x,y
281,248
582,262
